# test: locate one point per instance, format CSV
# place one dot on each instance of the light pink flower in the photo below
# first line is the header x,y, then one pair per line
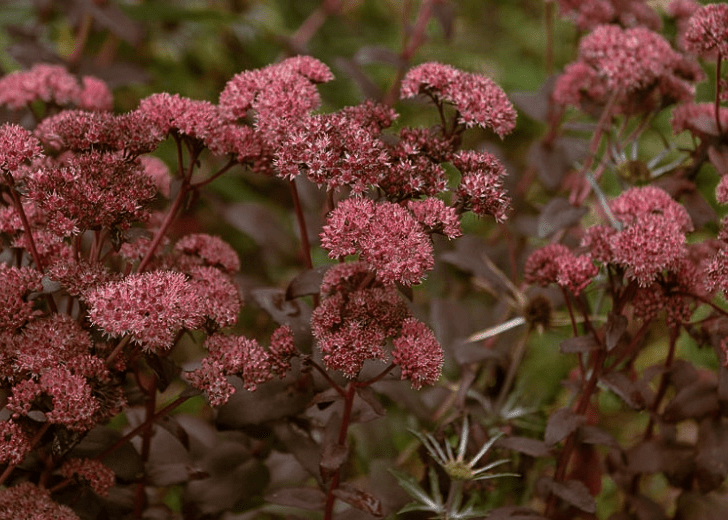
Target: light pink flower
x,y
435,217
17,145
210,250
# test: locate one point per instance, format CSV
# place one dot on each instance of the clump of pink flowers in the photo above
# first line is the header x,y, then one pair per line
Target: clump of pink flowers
x,y
96,294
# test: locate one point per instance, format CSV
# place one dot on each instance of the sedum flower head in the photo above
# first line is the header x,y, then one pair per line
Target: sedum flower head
x,y
385,235
478,100
209,250
17,284
26,501
151,307
707,31
14,442
17,145
418,354
100,477
555,263
481,185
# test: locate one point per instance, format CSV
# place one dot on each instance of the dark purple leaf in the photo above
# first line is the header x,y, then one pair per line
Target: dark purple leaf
x,y
719,158
561,424
712,458
595,435
371,401
557,215
294,313
723,385
657,456
696,506
353,70
616,325
646,509
359,499
698,208
572,492
124,461
223,491
306,283
273,400
333,454
311,499
262,224
682,374
531,447
535,104
300,445
514,513
445,15
111,17
579,345
629,391
378,54
693,402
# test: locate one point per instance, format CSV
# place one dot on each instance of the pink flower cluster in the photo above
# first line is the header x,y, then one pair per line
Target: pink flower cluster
x,y
555,263
707,33
477,99
587,14
384,235
100,477
355,319
481,185
53,84
230,355
26,501
636,65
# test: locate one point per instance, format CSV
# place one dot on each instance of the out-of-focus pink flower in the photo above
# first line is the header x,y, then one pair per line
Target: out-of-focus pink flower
x,y
598,240
152,307
385,235
555,263
698,119
210,250
282,349
478,100
95,95
587,14
637,65
100,477
721,191
48,83
418,354
707,33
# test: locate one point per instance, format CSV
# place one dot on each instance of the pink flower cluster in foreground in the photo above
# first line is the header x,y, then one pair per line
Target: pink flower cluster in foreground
x,y
94,291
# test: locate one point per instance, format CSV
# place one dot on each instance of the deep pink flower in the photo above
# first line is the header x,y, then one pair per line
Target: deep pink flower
x,y
282,349
231,355
481,185
172,113
17,284
598,240
337,149
48,83
351,327
92,190
17,145
48,342
555,263
95,95
218,297
638,202
210,250
100,477
385,235
698,119
77,277
26,501
587,14
478,100
435,217
14,442
649,245
152,307
418,354
637,65
707,33
282,90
